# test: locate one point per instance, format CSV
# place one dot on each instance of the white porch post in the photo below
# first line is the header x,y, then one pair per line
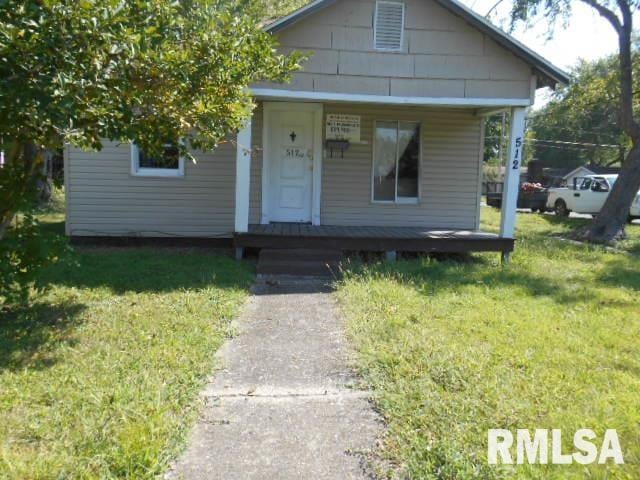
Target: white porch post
x,y
512,174
243,178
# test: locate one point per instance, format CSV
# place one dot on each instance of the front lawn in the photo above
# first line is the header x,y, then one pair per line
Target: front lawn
x,y
453,349
99,378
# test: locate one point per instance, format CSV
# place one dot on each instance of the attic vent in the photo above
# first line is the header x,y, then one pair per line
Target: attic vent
x,y
388,26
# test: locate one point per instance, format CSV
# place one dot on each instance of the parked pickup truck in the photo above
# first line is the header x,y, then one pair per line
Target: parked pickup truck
x,y
530,195
586,195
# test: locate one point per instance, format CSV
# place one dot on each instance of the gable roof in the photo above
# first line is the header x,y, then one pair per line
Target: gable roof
x,y
548,75
594,169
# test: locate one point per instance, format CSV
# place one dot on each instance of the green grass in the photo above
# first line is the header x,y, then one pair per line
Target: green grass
x,y
452,349
99,378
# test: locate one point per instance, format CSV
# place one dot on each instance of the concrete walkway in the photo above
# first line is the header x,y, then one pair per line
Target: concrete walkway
x,y
286,404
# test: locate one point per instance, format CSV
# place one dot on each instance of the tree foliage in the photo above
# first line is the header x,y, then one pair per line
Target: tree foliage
x,y
278,8
146,71
24,250
609,225
495,131
149,71
584,115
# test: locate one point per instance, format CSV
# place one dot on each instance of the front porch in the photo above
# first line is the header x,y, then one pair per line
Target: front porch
x,y
372,239
408,180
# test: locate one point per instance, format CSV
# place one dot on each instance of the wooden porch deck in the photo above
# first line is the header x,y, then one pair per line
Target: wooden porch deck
x,y
374,239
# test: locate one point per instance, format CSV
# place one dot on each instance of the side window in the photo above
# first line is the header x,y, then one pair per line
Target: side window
x,y
600,185
169,164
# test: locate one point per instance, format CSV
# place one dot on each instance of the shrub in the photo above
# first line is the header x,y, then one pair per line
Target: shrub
x,y
25,250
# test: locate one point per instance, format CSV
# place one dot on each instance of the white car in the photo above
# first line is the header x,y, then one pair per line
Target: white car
x,y
586,195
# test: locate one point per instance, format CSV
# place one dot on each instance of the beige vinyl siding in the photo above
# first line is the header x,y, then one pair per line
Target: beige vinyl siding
x,y
449,57
449,172
104,198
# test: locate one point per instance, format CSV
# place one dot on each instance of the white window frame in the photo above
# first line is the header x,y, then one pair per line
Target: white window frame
x,y
138,171
398,200
375,27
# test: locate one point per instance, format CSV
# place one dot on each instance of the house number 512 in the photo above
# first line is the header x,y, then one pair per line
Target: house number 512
x,y
516,154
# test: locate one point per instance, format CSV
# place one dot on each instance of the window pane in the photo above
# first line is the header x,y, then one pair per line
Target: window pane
x,y
586,184
409,152
384,161
170,159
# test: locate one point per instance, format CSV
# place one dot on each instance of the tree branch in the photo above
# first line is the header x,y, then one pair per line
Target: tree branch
x,y
612,162
495,5
611,17
628,123
625,9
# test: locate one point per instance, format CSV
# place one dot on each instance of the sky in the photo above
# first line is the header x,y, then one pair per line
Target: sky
x,y
587,36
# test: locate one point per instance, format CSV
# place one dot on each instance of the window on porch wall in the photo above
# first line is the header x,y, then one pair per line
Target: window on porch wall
x,y
396,159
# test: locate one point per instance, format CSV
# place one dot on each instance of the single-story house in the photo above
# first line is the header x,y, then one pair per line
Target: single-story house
x,y
584,170
375,145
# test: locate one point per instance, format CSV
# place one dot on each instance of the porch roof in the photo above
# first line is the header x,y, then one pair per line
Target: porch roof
x,y
278,94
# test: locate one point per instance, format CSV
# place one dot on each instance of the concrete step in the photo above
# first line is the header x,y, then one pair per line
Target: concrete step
x,y
304,262
298,267
300,254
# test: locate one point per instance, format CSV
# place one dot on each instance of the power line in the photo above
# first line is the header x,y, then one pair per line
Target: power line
x,y
558,147
596,133
561,142
604,145
588,132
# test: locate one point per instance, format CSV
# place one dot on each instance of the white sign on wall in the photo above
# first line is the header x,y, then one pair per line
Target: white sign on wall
x,y
343,127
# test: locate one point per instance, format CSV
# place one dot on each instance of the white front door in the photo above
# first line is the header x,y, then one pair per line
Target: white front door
x,y
291,149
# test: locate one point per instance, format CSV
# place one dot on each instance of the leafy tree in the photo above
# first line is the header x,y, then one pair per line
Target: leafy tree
x,y
494,143
149,71
609,224
278,8
584,114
